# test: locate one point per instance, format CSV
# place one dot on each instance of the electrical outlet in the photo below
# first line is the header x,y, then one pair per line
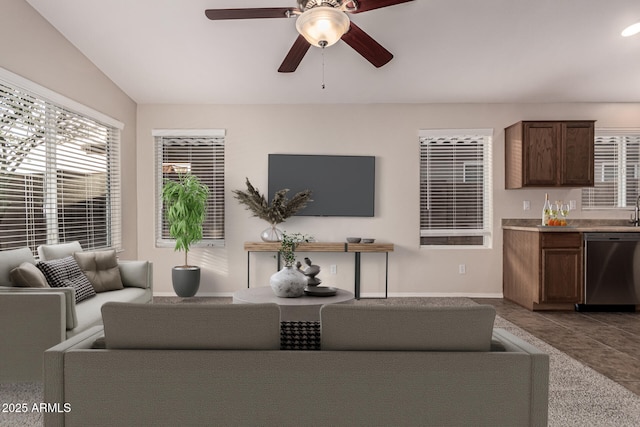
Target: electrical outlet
x,y
334,269
462,269
572,205
526,205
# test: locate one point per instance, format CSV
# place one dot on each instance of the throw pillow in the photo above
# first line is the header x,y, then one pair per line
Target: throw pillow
x,y
101,268
58,250
65,272
82,286
29,276
135,273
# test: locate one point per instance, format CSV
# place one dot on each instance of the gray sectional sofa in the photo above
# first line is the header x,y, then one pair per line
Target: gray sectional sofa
x,y
36,316
167,365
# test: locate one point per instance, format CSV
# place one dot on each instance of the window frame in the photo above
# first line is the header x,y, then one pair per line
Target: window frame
x,y
456,238
56,142
621,163
216,136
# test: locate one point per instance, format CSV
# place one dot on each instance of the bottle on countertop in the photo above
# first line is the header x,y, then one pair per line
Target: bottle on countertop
x,y
546,210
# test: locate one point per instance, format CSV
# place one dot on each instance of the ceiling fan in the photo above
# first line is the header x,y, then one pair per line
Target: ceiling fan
x,y
320,23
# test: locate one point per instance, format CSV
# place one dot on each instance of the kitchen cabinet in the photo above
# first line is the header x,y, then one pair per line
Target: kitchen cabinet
x,y
549,154
542,270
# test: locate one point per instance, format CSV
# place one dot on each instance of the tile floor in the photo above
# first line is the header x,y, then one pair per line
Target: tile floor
x,y
607,342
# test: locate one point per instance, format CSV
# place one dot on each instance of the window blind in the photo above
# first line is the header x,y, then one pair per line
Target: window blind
x,y
616,169
203,156
59,174
455,187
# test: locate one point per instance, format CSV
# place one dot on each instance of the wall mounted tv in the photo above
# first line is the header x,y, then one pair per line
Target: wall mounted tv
x,y
340,185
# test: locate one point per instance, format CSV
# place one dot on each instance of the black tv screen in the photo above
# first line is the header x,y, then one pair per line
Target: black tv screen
x,y
340,185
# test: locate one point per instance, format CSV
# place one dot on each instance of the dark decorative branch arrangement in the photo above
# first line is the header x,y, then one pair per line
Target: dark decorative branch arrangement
x,y
280,207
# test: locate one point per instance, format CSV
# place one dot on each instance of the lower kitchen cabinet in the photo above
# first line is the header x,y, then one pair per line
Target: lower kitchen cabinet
x,y
542,270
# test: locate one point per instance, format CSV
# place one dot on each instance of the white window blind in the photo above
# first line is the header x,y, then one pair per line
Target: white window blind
x,y
455,187
200,153
59,174
616,168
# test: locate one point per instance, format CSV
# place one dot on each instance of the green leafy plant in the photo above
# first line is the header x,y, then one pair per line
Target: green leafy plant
x,y
288,246
280,207
185,206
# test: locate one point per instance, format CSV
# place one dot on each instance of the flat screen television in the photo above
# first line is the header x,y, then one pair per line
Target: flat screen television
x,y
340,185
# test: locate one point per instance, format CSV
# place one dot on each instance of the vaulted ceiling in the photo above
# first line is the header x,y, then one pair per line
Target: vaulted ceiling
x,y
445,51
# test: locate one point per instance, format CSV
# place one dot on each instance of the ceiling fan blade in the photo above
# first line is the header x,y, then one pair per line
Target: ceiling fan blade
x,y
260,12
366,46
295,55
365,5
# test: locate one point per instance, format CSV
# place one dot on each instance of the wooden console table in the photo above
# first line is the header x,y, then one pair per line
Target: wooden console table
x,y
355,248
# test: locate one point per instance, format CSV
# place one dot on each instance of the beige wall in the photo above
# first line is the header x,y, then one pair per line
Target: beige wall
x,y
388,132
35,50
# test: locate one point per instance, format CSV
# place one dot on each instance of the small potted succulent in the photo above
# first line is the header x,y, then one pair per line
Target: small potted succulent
x,y
289,282
185,201
275,212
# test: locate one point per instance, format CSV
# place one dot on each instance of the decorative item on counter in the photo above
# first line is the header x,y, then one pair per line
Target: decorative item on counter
x,y
561,211
368,240
546,210
289,282
275,212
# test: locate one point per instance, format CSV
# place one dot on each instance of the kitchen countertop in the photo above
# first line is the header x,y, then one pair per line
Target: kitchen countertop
x,y
575,226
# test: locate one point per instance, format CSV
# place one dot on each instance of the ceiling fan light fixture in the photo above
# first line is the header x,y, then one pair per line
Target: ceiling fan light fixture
x,y
322,25
631,30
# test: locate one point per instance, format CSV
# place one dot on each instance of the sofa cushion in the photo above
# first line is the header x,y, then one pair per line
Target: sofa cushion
x,y
10,259
410,328
29,276
89,313
187,326
58,250
101,268
134,273
65,272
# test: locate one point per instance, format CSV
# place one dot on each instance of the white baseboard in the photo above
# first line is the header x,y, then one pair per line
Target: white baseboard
x,y
365,294
199,294
431,295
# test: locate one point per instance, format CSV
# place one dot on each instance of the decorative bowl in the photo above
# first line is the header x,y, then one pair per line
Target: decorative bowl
x,y
353,239
368,240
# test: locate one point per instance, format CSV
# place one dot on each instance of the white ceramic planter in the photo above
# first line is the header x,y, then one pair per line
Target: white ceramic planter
x,y
288,282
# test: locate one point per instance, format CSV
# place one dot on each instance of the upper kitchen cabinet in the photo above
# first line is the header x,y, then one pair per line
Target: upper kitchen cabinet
x,y
549,154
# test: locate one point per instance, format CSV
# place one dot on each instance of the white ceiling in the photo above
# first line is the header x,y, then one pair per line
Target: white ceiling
x,y
444,51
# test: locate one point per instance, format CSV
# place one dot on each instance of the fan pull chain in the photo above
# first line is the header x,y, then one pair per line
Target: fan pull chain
x,y
323,44
322,68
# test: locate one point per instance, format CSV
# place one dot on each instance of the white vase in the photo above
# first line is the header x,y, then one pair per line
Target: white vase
x,y
288,282
271,234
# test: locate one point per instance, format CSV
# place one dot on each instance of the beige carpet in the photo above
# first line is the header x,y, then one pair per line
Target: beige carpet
x,y
578,395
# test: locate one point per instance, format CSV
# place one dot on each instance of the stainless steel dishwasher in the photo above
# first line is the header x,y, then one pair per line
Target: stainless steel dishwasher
x,y
611,271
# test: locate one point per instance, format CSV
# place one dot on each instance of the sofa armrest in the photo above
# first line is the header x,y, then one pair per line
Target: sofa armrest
x,y
54,369
137,274
539,372
31,323
71,320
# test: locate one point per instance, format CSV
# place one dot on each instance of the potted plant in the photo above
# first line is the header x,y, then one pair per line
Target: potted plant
x,y
289,282
184,202
275,212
